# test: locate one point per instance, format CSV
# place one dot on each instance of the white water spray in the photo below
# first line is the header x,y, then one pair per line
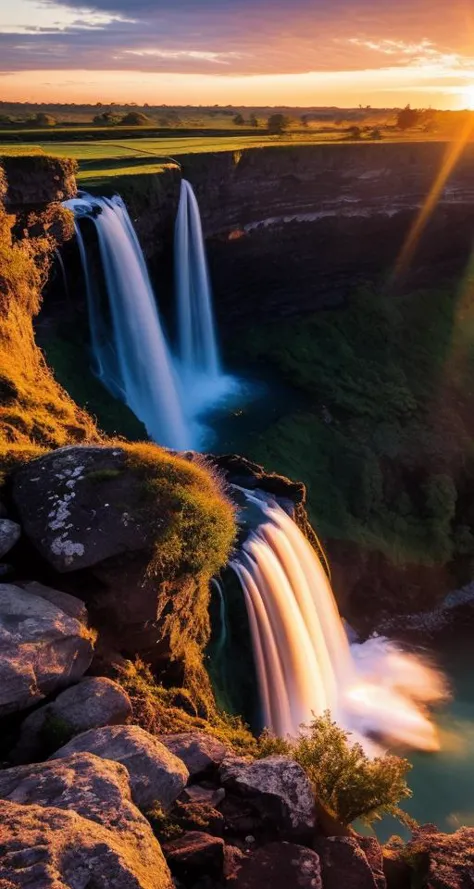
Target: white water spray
x,y
304,662
132,360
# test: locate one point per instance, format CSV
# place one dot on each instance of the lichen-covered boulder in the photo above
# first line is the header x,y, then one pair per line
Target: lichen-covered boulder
x,y
67,822
42,649
443,861
156,776
199,752
10,534
345,863
278,788
94,702
281,866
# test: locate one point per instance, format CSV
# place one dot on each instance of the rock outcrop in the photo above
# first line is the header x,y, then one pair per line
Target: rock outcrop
x,y
156,776
278,789
66,822
92,703
443,861
42,649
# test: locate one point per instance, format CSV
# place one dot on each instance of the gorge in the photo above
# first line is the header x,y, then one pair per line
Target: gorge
x,y
120,517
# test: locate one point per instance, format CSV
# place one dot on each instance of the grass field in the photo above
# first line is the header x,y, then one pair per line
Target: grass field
x,y
105,159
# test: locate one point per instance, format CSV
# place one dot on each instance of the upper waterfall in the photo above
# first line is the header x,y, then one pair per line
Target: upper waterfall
x,y
305,664
197,344
130,350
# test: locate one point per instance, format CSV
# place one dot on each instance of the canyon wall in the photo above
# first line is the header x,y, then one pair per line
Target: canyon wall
x,y
293,229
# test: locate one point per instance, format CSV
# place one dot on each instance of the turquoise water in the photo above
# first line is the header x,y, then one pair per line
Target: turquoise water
x,y
443,783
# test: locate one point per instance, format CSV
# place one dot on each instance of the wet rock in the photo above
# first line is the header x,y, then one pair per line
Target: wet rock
x,y
345,863
10,534
156,776
281,866
92,703
194,855
443,861
278,788
199,752
42,649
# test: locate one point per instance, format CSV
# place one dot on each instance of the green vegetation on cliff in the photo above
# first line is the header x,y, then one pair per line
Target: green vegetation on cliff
x,y
386,442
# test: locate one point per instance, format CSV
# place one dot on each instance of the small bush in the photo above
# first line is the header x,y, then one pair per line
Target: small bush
x,y
346,781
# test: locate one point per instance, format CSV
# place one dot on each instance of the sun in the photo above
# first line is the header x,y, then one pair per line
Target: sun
x,y
468,97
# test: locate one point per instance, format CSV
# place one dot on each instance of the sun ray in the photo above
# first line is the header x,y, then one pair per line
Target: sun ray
x,y
451,158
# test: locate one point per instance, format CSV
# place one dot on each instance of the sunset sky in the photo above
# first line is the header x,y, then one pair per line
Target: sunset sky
x,y
254,52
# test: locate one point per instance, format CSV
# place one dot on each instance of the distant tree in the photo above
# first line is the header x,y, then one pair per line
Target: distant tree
x,y
44,120
253,121
376,135
354,134
107,119
277,124
408,118
239,120
136,119
304,119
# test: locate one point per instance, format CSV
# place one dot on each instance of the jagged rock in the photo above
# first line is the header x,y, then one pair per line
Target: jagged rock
x,y
278,788
281,866
194,855
443,861
42,649
156,776
344,863
10,534
92,703
69,604
199,752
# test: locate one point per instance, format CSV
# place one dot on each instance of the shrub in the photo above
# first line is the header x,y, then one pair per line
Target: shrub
x,y
346,781
136,119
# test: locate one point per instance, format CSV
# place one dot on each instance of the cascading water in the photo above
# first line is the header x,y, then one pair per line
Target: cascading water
x,y
305,664
133,359
196,333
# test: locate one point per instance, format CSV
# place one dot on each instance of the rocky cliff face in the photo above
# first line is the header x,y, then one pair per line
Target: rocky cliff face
x,y
291,229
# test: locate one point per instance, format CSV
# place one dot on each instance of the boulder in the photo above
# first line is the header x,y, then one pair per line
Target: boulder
x,y
9,535
278,788
50,848
92,703
443,861
71,504
199,752
195,855
156,776
344,863
197,793
69,604
281,866
42,649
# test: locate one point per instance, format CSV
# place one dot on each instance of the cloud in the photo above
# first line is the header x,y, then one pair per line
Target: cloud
x,y
237,37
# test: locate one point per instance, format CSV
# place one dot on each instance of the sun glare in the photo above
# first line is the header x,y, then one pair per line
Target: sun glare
x,y
468,96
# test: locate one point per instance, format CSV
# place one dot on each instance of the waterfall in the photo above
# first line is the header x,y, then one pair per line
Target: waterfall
x,y
133,359
304,662
196,333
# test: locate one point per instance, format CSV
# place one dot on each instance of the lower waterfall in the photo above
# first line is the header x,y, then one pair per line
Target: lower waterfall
x,y
304,662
